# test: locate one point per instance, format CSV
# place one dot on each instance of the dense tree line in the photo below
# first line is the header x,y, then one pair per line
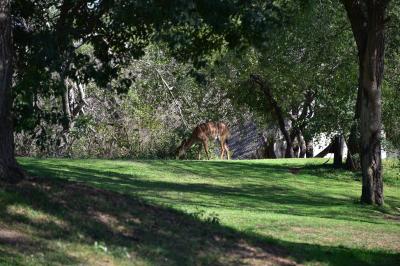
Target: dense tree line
x,y
159,108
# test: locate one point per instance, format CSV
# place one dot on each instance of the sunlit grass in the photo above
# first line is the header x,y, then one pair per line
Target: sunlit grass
x,y
255,190
305,206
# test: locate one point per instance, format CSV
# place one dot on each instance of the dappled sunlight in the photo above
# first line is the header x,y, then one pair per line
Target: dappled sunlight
x,y
34,216
261,187
245,185
104,223
214,212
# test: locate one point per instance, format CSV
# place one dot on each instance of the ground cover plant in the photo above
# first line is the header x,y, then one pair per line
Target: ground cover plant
x,y
258,212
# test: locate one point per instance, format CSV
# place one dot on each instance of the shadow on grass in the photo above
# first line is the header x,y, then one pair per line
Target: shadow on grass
x,y
248,195
159,235
8,258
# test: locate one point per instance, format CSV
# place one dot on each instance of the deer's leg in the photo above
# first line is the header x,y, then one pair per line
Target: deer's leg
x,y
222,149
227,151
205,145
198,154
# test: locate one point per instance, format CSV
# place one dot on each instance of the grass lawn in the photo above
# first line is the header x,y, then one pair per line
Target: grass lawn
x,y
258,212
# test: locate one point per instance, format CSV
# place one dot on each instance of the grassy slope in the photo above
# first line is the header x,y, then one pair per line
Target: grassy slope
x,y
285,211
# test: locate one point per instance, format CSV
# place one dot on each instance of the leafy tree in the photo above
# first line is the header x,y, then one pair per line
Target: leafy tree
x,y
300,86
48,38
49,34
391,82
165,101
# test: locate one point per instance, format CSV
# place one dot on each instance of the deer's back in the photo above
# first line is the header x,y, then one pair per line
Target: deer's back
x,y
211,130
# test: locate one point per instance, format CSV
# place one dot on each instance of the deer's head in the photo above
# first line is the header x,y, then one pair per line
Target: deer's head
x,y
180,151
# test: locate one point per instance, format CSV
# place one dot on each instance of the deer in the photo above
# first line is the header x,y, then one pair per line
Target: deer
x,y
201,134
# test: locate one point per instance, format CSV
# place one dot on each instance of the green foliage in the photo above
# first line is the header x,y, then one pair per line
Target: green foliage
x,y
391,83
208,218
54,42
91,41
201,28
299,47
312,55
160,108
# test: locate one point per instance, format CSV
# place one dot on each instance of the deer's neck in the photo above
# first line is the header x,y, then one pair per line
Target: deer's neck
x,y
189,143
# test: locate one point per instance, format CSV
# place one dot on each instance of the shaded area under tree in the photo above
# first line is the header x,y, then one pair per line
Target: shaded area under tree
x,y
159,234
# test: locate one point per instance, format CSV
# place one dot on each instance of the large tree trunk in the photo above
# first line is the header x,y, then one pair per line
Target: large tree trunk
x,y
371,109
368,21
9,169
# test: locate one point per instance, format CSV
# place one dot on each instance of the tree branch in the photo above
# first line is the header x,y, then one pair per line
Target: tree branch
x,y
277,109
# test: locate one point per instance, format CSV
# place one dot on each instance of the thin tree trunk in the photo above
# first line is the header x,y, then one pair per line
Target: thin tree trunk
x,y
296,150
66,107
302,144
338,145
9,169
309,148
353,147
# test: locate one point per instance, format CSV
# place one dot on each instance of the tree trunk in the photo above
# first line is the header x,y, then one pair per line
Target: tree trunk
x,y
266,89
270,151
353,148
309,149
268,147
66,109
289,152
325,151
338,151
302,144
296,150
371,110
9,169
367,20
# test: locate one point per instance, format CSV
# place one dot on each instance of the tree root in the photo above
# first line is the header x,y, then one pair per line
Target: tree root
x,y
11,173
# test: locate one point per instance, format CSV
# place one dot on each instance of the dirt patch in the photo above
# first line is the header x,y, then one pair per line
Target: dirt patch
x,y
12,237
305,230
294,170
258,256
105,218
392,217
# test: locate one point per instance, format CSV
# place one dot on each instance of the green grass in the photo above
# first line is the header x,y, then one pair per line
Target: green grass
x,y
197,212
